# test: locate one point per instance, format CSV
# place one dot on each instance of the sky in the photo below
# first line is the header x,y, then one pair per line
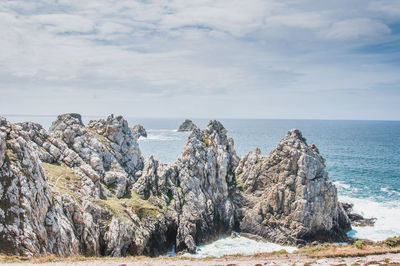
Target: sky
x,y
201,58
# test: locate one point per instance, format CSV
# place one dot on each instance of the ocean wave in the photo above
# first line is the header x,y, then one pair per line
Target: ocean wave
x,y
345,187
237,245
389,191
341,184
159,137
387,216
162,130
163,135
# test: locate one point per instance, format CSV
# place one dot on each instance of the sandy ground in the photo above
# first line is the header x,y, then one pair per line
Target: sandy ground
x,y
290,259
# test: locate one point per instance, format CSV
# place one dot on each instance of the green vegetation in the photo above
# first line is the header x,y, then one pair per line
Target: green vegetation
x,y
62,179
279,252
390,242
359,248
132,201
358,244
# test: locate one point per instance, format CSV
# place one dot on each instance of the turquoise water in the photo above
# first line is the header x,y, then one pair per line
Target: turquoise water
x,y
362,157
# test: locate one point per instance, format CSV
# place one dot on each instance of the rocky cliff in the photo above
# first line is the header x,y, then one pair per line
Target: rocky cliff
x,y
289,198
79,189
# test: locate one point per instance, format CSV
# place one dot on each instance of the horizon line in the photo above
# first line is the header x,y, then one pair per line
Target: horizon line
x,y
205,118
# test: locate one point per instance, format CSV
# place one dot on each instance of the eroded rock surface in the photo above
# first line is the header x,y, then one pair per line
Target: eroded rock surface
x,y
87,190
290,199
30,220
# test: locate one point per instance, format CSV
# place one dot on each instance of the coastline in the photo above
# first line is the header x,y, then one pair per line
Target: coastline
x,y
242,177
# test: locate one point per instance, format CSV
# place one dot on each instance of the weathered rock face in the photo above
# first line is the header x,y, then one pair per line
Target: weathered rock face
x,y
206,177
87,190
30,221
139,131
198,188
187,125
290,199
65,175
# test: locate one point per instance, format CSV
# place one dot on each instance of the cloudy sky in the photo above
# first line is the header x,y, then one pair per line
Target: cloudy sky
x,y
201,58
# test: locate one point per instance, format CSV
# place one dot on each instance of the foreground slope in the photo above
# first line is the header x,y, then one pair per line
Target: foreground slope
x,y
87,190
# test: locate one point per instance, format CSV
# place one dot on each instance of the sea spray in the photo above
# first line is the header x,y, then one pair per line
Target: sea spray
x,y
237,245
387,216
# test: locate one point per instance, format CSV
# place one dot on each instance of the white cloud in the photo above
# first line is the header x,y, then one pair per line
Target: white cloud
x,y
171,50
307,20
63,23
351,29
389,7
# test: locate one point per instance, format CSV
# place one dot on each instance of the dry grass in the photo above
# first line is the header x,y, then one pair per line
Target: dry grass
x,y
390,245
61,178
132,201
52,258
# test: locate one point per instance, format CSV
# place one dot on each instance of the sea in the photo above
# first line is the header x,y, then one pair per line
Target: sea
x,y
362,159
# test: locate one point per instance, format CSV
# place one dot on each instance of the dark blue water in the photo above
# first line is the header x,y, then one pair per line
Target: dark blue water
x,y
362,157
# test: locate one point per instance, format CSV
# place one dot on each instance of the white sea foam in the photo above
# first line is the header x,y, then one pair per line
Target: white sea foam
x,y
163,135
238,245
386,213
345,187
162,130
390,192
160,137
341,184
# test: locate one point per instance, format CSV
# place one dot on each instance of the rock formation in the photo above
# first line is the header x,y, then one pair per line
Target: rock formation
x,y
290,199
187,125
87,190
139,131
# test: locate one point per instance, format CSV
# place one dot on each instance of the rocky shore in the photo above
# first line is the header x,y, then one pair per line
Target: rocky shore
x,y
87,190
